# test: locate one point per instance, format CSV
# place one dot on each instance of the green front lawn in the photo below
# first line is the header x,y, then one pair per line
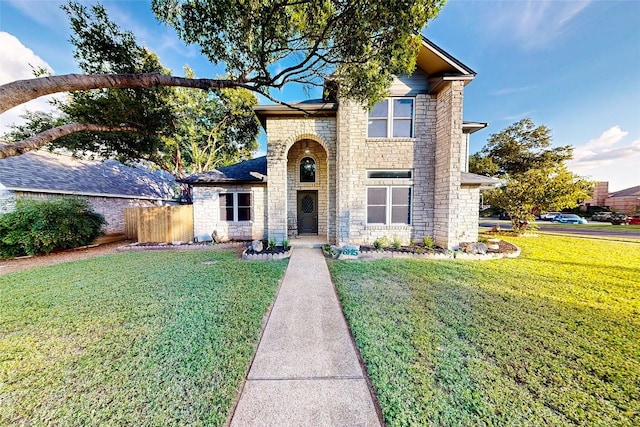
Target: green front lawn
x,y
551,338
145,339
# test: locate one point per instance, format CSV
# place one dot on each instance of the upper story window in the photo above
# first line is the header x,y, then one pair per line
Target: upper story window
x,y
307,170
393,116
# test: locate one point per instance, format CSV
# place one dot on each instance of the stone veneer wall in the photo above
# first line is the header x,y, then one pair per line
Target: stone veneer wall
x,y
319,155
466,218
112,208
282,134
206,213
448,165
357,154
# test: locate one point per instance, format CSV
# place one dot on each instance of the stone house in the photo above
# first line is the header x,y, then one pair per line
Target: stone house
x,y
108,186
349,175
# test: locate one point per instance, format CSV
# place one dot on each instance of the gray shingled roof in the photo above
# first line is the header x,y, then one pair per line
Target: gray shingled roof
x,y
46,172
627,192
238,173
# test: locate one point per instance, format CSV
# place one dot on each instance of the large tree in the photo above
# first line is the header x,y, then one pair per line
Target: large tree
x,y
534,175
181,130
265,45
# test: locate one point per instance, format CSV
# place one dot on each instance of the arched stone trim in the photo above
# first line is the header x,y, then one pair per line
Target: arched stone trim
x,y
310,136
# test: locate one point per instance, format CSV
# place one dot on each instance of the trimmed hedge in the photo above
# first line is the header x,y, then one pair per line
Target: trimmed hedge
x,y
40,226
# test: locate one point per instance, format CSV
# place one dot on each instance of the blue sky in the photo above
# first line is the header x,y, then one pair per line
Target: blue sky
x,y
573,66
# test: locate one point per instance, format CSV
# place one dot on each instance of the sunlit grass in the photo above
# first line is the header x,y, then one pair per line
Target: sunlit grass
x,y
551,338
143,339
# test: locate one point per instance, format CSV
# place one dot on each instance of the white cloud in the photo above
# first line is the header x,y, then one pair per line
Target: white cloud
x,y
534,23
609,158
17,60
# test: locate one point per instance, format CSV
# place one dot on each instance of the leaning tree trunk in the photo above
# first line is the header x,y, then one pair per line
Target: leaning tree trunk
x,y
20,91
43,138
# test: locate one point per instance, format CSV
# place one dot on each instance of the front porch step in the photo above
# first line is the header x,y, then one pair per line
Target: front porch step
x,y
307,242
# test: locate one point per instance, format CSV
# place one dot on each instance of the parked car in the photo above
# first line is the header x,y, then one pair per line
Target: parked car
x,y
548,216
569,219
618,219
504,215
633,220
601,216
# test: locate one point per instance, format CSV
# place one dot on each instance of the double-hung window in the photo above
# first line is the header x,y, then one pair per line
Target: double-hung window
x,y
392,117
389,205
235,207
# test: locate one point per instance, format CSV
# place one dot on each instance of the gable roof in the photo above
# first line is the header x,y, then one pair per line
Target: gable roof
x,y
627,192
248,171
45,172
468,178
434,61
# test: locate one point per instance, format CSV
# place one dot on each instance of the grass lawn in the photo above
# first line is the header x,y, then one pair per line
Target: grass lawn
x,y
145,339
551,338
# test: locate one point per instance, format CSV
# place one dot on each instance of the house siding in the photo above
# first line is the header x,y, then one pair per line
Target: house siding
x,y
206,213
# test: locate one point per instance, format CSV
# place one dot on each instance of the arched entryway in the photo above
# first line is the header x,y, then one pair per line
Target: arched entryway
x,y
307,189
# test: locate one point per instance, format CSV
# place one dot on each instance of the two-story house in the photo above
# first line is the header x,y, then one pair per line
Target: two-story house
x,y
349,175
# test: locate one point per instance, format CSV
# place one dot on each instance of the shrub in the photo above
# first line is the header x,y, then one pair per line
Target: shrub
x,y
40,226
427,241
381,242
286,243
271,244
396,243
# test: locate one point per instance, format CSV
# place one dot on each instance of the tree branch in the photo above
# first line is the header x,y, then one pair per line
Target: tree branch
x,y
43,138
21,91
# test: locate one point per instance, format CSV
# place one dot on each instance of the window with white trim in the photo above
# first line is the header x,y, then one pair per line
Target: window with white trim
x,y
235,207
392,116
389,205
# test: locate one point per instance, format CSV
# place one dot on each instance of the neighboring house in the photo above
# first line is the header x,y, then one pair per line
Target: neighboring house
x,y
626,201
350,176
108,186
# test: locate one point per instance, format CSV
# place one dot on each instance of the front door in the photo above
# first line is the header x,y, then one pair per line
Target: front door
x,y
307,212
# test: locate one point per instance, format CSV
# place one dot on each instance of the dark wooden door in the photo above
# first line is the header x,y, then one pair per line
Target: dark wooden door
x,y
307,212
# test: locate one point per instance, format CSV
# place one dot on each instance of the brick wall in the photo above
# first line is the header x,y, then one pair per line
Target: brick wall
x,y
206,213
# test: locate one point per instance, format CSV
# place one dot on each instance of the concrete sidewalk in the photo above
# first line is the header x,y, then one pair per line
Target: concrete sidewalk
x,y
306,371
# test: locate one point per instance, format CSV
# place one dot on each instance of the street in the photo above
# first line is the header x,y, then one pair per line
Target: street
x,y
595,229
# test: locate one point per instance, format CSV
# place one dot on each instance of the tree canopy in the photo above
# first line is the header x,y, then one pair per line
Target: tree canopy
x,y
264,45
181,130
534,175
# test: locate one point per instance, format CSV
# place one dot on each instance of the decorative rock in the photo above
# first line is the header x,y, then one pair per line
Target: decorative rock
x,y
350,252
257,246
493,246
476,248
217,237
177,243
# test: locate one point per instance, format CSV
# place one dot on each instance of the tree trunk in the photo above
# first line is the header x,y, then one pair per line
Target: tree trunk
x,y
21,91
37,141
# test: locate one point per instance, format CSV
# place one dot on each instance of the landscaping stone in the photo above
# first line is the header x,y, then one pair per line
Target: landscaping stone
x,y
257,246
350,252
476,249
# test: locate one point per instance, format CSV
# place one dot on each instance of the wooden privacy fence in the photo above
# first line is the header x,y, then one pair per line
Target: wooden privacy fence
x,y
159,224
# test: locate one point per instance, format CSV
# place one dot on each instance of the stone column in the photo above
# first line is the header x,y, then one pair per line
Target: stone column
x,y
277,190
448,165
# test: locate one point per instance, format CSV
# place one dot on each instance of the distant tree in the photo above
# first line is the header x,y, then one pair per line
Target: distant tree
x,y
264,45
534,174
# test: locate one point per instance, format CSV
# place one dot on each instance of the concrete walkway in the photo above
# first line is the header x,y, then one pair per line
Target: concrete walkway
x,y
306,371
